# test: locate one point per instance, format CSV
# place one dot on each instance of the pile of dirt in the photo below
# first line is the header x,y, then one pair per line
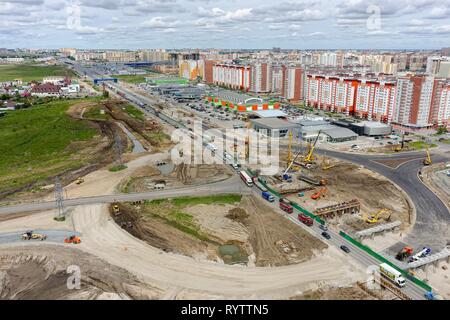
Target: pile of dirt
x,y
338,293
199,174
275,240
47,273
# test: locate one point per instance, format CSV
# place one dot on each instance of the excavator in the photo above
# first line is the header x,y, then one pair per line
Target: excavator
x,y
427,161
319,193
375,217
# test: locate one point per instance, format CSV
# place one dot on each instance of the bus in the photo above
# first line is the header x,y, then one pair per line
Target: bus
x,y
246,178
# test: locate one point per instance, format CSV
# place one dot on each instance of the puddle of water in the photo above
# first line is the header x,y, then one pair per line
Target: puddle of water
x,y
232,254
166,169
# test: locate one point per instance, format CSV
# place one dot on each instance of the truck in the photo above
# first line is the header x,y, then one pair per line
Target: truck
x,y
421,254
258,184
392,274
266,195
285,205
305,219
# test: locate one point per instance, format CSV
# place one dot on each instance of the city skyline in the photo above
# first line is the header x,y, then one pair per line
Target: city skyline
x,y
133,24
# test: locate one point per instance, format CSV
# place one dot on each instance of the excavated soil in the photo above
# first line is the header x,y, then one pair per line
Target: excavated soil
x,y
262,235
41,273
344,293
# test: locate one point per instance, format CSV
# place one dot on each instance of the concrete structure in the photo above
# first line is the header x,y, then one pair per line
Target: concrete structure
x,y
275,126
240,102
367,128
270,114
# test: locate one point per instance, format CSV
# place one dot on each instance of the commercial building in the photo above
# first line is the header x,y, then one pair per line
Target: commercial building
x,y
240,102
275,126
310,130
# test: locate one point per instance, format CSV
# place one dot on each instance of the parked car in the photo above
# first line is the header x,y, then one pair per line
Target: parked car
x,y
323,227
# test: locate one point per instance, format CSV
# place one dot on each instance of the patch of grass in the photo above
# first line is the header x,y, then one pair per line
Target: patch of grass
x,y
131,78
419,145
28,72
134,112
35,141
217,199
117,168
158,137
94,113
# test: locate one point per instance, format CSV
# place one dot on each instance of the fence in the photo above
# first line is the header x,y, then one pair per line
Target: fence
x,y
380,258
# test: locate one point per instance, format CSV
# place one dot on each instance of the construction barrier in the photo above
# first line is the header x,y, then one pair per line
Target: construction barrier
x,y
382,259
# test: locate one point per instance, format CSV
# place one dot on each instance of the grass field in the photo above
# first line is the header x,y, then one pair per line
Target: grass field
x,y
134,112
34,143
29,72
419,145
131,78
171,211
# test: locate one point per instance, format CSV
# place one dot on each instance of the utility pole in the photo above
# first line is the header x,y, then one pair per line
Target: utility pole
x,y
59,198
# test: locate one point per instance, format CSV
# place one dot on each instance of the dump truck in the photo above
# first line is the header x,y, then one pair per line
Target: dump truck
x,y
30,235
305,219
285,205
72,239
266,195
392,274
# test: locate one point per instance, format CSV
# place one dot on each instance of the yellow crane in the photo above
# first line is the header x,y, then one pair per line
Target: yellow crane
x,y
375,217
310,155
427,161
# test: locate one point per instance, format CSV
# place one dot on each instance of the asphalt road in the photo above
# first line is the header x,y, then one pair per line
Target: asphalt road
x,y
364,259
56,236
432,216
232,185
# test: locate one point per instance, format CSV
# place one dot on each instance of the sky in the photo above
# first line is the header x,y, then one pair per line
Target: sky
x,y
233,24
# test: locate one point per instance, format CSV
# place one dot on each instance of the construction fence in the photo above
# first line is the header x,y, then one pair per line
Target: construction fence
x,y
382,259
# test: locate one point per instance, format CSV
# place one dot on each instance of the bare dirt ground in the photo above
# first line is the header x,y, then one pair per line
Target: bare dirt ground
x,y
145,178
41,273
337,293
346,182
262,235
438,278
435,177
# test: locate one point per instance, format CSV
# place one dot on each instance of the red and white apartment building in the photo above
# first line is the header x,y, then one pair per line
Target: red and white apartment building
x,y
232,76
411,101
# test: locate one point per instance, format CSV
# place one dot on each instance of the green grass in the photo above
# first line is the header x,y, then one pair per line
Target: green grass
x,y
94,114
134,112
117,168
35,141
171,211
419,145
131,78
30,72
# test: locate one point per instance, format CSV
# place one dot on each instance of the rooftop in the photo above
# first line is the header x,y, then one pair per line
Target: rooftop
x,y
274,123
270,113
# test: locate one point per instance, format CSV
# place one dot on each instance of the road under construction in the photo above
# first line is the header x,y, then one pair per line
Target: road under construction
x,y
406,176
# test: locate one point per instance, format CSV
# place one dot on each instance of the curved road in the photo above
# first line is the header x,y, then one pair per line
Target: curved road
x,y
432,216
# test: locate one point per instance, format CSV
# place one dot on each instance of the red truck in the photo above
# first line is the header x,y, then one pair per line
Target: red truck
x,y
305,219
286,206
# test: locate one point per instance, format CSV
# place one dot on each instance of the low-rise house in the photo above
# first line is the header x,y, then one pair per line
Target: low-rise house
x,y
46,90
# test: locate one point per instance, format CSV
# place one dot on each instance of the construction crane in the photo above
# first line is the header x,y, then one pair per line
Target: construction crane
x,y
310,155
427,161
374,218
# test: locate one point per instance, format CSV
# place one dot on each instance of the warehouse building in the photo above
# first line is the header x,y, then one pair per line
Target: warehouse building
x,y
240,102
273,125
327,132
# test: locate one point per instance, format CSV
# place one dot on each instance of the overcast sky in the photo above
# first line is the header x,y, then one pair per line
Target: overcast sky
x,y
301,24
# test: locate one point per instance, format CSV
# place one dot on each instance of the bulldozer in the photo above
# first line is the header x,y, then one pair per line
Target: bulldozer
x,y
404,253
30,235
79,181
72,239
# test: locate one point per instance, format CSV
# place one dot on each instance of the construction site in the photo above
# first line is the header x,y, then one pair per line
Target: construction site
x,y
226,227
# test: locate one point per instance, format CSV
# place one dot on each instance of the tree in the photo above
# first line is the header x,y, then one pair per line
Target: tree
x,y
441,130
105,94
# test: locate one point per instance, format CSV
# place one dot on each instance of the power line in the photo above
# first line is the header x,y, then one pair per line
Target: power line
x,y
59,198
